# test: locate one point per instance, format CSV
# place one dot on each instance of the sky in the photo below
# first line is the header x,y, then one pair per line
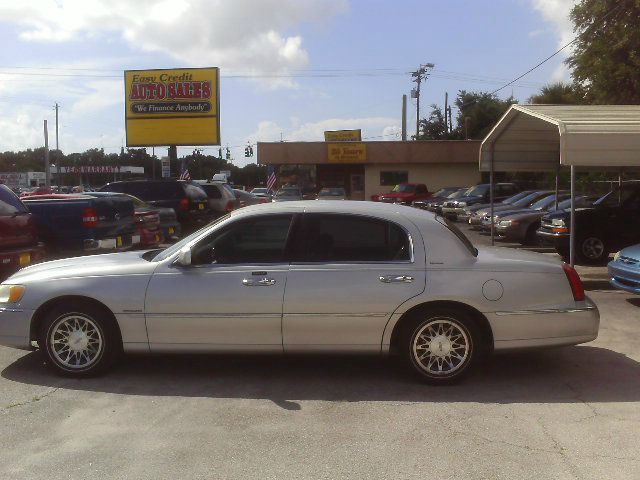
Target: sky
x,y
290,69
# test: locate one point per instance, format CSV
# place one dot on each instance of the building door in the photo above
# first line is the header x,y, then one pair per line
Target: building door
x,y
357,186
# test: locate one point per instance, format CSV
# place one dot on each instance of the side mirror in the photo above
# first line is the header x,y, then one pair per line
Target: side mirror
x,y
184,257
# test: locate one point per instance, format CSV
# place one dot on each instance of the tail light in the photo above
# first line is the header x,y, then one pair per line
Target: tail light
x,y
90,218
265,200
184,204
574,280
230,206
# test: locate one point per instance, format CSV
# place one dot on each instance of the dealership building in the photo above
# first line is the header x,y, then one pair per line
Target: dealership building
x,y
365,169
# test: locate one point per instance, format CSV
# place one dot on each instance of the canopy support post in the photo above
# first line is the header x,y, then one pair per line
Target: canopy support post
x,y
572,227
557,181
493,241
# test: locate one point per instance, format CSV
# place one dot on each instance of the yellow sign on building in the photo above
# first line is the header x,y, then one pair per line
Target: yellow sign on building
x,y
346,152
343,135
172,107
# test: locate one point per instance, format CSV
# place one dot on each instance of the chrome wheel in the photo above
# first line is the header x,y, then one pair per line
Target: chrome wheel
x,y
441,347
593,248
76,341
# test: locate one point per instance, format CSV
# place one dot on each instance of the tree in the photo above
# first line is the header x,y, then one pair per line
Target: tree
x,y
606,57
434,127
558,94
478,112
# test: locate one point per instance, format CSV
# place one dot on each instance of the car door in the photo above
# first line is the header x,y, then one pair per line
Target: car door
x,y
230,297
348,276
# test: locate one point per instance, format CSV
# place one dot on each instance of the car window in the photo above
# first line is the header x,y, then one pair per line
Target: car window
x,y
10,204
212,191
194,192
252,241
351,238
478,190
421,189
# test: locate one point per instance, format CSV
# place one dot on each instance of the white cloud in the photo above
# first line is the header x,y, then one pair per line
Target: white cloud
x,y
556,12
240,35
374,128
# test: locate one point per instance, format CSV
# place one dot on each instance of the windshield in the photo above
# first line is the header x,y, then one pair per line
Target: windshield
x,y
458,193
288,192
545,202
404,188
167,252
614,198
514,198
528,200
331,192
477,191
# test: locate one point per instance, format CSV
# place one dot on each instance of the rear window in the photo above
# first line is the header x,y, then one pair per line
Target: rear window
x,y
194,192
212,191
148,191
10,204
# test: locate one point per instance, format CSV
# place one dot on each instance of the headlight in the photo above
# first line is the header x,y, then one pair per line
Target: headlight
x,y
11,293
505,223
557,222
616,256
462,204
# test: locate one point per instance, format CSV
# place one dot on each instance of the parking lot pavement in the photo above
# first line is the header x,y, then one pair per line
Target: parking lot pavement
x,y
563,413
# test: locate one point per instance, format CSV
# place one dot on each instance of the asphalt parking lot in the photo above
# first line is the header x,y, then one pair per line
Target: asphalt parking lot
x,y
563,413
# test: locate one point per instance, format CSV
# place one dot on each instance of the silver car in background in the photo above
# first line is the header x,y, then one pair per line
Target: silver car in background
x,y
288,194
332,193
301,277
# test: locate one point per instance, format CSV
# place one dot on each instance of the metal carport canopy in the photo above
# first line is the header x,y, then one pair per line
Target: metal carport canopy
x,y
545,137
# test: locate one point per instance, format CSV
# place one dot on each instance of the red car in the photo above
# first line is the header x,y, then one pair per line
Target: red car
x,y
406,193
19,244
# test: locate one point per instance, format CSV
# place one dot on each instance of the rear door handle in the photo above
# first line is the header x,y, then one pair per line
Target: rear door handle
x,y
263,282
396,279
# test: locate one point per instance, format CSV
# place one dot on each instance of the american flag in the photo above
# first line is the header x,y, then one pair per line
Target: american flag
x,y
185,174
271,177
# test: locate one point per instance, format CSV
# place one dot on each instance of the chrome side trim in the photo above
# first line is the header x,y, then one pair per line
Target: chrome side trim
x,y
548,310
12,310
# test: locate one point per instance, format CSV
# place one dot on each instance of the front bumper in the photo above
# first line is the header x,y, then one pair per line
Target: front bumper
x,y
552,327
623,278
454,212
15,324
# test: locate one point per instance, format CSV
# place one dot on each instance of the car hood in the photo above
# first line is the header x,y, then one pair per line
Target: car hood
x,y
397,195
126,263
511,260
466,199
631,252
521,212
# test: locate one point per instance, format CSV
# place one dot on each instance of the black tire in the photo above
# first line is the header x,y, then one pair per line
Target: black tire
x,y
591,249
87,338
432,324
531,237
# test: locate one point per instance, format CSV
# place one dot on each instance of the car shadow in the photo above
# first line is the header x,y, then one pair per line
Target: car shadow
x,y
564,375
634,301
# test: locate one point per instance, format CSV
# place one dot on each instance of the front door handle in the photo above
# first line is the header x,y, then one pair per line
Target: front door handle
x,y
263,282
396,279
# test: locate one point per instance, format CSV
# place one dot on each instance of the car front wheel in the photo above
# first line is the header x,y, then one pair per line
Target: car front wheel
x,y
592,249
79,340
441,345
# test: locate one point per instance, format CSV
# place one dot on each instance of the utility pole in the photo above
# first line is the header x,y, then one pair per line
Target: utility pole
x,y
450,124
58,148
404,118
47,169
153,163
421,74
446,111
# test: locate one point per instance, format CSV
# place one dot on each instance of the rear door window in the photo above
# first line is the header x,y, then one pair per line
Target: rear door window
x,y
212,191
353,238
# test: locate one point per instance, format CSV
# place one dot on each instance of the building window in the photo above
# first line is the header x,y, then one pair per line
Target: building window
x,y
393,178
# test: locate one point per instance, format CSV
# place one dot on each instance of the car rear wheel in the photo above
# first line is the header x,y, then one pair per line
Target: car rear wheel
x,y
79,340
441,345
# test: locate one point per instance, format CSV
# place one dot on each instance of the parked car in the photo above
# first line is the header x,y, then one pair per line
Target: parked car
x,y
478,217
19,244
302,277
188,199
406,193
624,270
434,204
147,219
169,225
222,198
471,209
262,192
332,193
81,223
246,198
288,194
521,226
455,209
611,224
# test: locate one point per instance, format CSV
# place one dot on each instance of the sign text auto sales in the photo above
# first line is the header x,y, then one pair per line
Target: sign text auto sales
x,y
165,87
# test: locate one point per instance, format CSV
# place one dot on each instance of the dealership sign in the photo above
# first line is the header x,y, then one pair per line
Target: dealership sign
x,y
172,107
343,136
346,152
86,169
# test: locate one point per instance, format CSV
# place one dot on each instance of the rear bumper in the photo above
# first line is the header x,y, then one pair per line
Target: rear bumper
x,y
12,260
546,327
15,327
118,243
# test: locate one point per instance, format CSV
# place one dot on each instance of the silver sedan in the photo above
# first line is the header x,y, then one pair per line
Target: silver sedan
x,y
306,277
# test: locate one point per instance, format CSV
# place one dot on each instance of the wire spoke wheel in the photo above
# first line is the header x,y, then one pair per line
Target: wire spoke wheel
x,y
441,347
592,248
76,341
